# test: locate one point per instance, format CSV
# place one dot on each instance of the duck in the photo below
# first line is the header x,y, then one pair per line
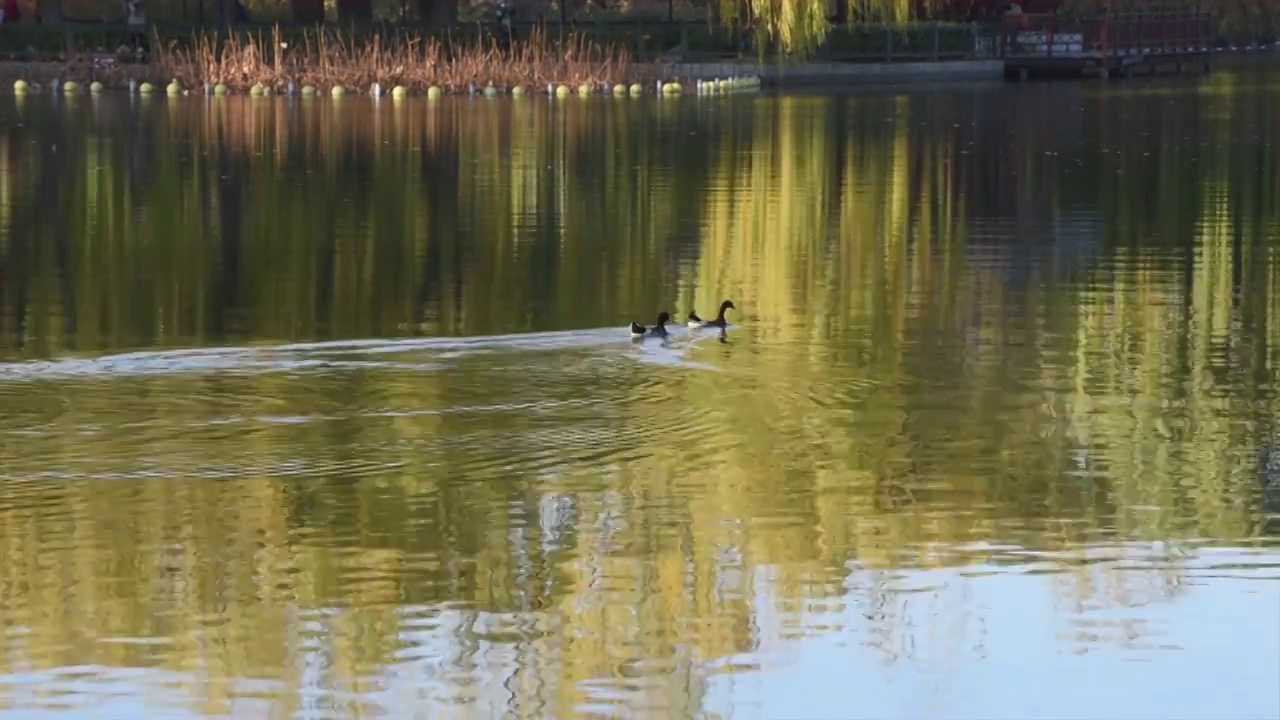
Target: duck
x,y
694,320
719,322
659,329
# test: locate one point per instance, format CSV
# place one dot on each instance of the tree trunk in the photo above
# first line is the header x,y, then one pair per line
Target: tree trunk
x,y
308,12
438,13
225,12
49,12
842,12
360,11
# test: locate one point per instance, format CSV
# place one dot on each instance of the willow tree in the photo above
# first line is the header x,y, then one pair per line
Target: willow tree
x,y
355,10
438,12
799,26
308,12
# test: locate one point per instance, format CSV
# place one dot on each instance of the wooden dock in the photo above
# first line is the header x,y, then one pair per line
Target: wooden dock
x,y
1106,45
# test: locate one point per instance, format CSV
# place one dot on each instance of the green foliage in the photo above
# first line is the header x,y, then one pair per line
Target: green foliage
x,y
41,42
877,41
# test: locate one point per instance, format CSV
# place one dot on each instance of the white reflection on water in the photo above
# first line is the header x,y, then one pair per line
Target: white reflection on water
x,y
1099,638
1016,645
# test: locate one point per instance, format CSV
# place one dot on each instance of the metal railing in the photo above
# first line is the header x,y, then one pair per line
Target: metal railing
x,y
1167,32
1121,34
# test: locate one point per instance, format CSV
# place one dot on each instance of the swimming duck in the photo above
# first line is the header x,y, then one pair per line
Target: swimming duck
x,y
694,320
659,329
720,322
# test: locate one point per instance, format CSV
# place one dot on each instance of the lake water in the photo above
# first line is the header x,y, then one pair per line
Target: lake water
x,y
317,410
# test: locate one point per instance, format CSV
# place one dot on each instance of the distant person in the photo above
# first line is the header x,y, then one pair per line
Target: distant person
x,y
10,12
504,14
134,16
1015,21
1014,16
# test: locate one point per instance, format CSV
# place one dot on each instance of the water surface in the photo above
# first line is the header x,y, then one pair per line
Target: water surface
x,y
329,410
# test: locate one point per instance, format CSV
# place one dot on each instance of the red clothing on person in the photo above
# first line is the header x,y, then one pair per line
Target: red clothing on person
x,y
1015,9
12,13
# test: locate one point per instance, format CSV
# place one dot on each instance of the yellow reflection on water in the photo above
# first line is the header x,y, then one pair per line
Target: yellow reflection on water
x,y
937,367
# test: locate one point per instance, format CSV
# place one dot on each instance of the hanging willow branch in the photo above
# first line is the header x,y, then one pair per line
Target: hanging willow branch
x,y
800,26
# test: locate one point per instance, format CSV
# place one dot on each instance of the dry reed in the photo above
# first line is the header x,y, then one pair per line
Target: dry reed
x,y
326,60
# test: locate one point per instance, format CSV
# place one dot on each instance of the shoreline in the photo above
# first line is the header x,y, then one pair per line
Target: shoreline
x,y
862,74
782,76
686,74
799,75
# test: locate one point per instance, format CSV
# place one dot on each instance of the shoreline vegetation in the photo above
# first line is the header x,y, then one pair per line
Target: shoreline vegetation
x,y
469,60
329,63
325,60
336,64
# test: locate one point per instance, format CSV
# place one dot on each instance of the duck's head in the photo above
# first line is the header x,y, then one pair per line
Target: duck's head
x,y
663,318
727,305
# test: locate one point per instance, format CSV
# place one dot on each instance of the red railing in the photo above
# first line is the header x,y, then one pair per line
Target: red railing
x,y
1172,31
1156,32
